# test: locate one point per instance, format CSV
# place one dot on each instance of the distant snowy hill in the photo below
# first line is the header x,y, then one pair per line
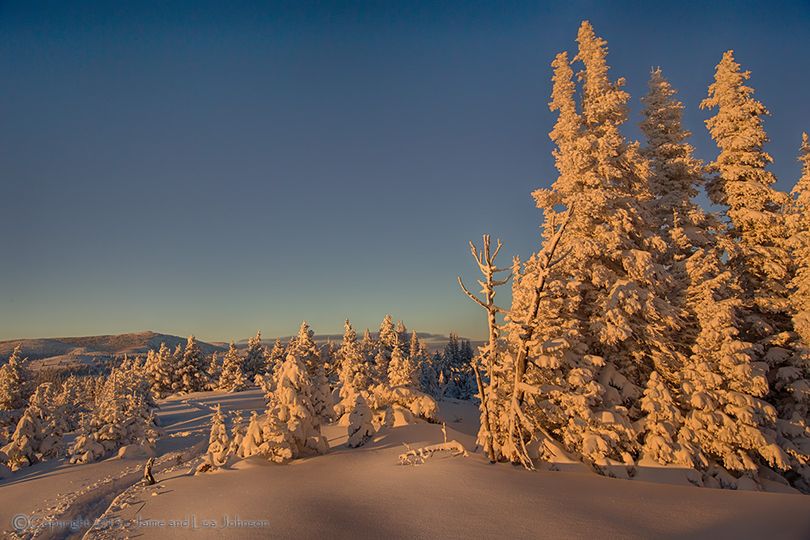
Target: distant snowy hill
x,y
70,352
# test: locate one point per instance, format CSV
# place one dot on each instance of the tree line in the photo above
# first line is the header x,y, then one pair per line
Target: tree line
x,y
647,328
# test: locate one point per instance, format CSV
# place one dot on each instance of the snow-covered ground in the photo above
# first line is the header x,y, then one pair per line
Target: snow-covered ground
x,y
365,492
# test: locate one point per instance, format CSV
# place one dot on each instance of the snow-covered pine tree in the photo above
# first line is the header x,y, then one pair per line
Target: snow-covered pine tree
x,y
275,358
742,183
305,348
759,255
414,347
428,377
14,382
14,390
451,358
254,357
591,339
38,435
402,336
232,378
219,445
438,366
675,174
662,425
425,373
53,416
727,419
191,369
214,371
123,415
360,428
380,362
21,451
252,441
800,229
237,433
790,384
368,346
160,368
466,377
330,362
177,354
292,428
388,334
385,346
70,402
354,376
457,367
675,178
401,370
150,364
173,361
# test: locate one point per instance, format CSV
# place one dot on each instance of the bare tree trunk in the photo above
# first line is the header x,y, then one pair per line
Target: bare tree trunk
x,y
486,264
148,479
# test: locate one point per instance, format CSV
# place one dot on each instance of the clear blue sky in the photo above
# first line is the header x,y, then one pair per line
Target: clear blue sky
x,y
218,168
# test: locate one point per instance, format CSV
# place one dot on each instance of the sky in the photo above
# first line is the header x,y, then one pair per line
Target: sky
x,y
222,168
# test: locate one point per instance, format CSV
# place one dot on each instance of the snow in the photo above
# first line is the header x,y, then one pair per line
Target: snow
x,y
56,490
353,492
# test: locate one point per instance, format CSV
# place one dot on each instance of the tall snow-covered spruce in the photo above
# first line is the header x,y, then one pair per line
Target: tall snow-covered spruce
x,y
593,345
675,178
758,253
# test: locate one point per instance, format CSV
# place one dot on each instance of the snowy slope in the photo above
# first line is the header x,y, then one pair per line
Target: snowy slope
x,y
364,492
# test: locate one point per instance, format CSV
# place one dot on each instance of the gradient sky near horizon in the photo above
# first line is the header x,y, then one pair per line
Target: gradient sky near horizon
x,y
219,168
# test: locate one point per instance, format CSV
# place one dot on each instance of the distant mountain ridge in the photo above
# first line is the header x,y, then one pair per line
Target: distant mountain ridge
x,y
87,351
